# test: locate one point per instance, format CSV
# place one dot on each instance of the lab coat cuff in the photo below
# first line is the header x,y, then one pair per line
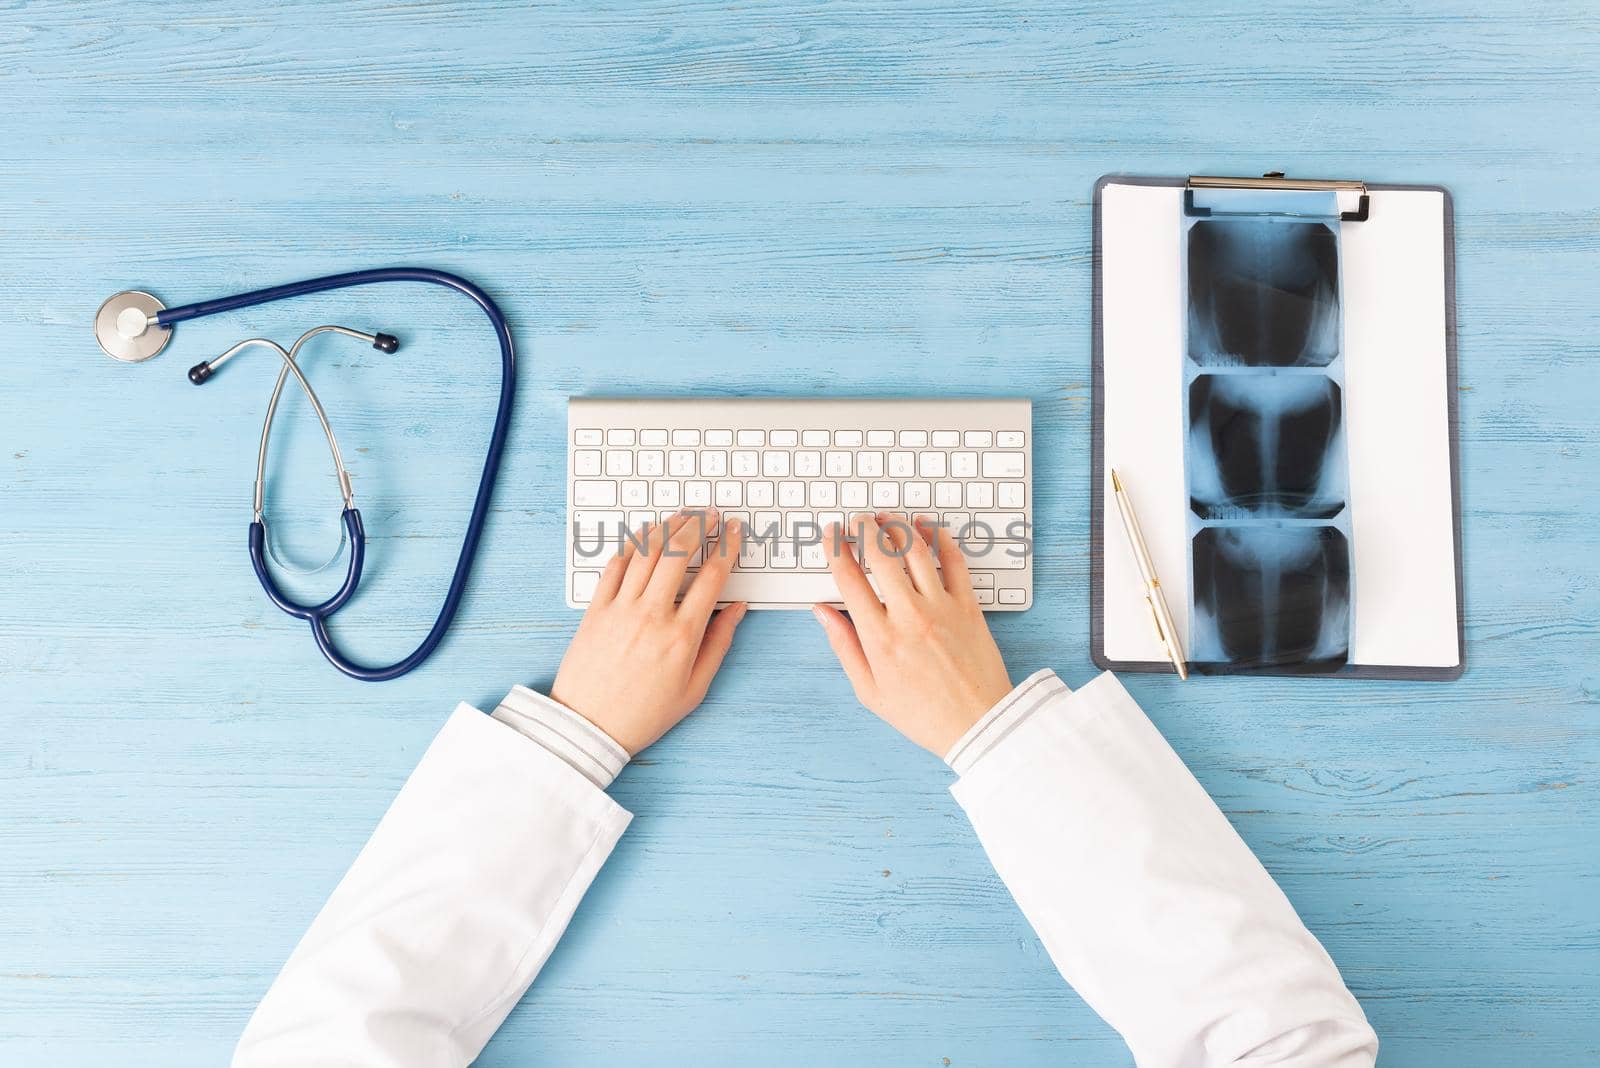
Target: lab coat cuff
x,y
584,747
1009,713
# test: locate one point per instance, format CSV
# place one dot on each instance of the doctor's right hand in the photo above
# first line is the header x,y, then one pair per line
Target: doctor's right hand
x,y
921,656
640,662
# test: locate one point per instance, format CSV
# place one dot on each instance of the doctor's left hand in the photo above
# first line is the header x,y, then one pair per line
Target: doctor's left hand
x,y
641,662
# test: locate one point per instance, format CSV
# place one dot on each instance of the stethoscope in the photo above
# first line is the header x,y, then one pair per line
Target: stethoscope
x,y
134,326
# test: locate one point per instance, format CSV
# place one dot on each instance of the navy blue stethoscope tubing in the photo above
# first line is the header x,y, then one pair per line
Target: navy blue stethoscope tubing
x,y
317,615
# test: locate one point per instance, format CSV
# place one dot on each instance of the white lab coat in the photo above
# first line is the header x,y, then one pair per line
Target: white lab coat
x,y
1149,904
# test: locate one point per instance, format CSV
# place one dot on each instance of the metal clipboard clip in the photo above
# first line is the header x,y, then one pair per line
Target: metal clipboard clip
x,y
1276,180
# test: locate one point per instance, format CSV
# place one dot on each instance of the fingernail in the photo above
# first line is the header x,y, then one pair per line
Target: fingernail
x,y
738,612
816,610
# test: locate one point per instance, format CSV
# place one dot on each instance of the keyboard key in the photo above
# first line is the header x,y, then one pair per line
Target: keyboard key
x,y
635,493
853,495
807,464
986,555
654,437
1002,526
586,462
714,464
869,464
686,437
848,439
719,439
1008,439
813,555
746,463
782,554
680,463
830,519
637,520
913,439
946,439
902,464
791,494
752,554
783,439
767,524
800,525
931,464
823,494
1011,494
964,465
775,464
619,437
918,495
588,437
982,580
757,438
758,494
1013,596
587,524
947,495
980,495
696,494
837,464
984,596
782,587
729,494
978,439
592,493
619,462
666,494
880,437
814,438
652,463
886,495
1002,465
583,586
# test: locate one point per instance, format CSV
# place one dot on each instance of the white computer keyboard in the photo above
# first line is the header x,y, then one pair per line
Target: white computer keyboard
x,y
788,468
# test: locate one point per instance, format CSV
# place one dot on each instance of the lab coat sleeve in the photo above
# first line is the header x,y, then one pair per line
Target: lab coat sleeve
x,y
1146,899
449,911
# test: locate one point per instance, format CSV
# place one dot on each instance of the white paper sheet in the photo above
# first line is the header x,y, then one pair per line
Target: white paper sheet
x,y
1396,412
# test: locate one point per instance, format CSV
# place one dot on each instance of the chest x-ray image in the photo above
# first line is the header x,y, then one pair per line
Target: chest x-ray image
x,y
1269,519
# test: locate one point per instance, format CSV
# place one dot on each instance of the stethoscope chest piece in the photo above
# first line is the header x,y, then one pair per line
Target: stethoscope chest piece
x,y
126,329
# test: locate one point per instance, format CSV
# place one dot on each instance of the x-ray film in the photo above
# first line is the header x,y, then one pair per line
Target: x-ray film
x,y
1264,458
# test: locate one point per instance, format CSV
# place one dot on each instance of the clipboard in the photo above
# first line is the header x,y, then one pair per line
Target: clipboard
x,y
1400,333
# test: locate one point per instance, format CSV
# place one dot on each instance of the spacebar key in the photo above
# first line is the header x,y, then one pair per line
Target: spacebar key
x,y
791,587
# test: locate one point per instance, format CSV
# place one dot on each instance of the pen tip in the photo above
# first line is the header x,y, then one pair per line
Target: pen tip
x,y
1116,483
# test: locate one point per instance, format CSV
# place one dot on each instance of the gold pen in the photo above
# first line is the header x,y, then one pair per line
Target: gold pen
x,y
1152,585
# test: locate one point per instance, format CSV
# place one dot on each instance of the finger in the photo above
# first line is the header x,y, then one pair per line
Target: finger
x,y
913,549
686,540
846,645
854,589
642,561
957,577
714,646
879,553
611,578
706,589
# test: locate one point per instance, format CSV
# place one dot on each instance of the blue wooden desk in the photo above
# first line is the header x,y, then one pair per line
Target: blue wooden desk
x,y
776,198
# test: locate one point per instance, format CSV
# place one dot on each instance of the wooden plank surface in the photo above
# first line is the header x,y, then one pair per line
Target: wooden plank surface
x,y
779,198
